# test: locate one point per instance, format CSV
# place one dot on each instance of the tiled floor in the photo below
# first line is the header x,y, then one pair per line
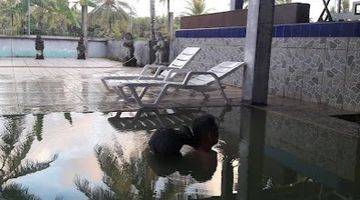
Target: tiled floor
x,y
64,85
68,85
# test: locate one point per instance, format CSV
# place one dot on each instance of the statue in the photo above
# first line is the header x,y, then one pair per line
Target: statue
x,y
160,49
39,46
130,60
81,49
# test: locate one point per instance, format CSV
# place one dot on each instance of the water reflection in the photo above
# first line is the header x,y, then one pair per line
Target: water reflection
x,y
38,126
15,144
273,159
125,179
261,155
199,165
151,119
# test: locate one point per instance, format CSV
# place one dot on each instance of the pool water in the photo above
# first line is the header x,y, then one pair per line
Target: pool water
x,y
260,155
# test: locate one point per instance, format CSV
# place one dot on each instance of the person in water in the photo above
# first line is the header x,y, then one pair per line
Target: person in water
x,y
202,136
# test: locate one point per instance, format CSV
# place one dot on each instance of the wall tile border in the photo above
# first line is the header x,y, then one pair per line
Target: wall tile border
x,y
328,29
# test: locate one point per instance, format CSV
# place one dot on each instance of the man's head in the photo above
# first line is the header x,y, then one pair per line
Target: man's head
x,y
206,132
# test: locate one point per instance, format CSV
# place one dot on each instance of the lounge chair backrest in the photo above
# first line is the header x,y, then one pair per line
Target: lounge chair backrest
x,y
182,59
222,71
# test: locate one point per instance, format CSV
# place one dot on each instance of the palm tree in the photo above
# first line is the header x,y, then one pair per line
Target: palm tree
x,y
152,19
246,2
120,176
13,151
43,10
196,7
68,117
84,15
168,25
110,11
345,5
38,126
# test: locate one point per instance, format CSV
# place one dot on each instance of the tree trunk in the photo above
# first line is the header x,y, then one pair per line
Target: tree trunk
x,y
168,18
84,25
152,18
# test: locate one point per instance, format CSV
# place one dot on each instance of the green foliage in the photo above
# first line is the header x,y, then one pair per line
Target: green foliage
x,y
141,26
246,2
16,191
68,117
345,5
196,7
38,126
121,177
14,146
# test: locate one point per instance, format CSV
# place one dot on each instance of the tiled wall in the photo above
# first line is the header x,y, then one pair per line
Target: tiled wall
x,y
314,69
55,47
325,148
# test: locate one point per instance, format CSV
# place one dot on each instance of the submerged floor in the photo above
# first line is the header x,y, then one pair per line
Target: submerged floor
x,y
260,155
66,85
52,148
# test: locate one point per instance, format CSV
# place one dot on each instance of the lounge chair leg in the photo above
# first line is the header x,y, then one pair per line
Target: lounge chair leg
x,y
106,85
222,92
121,92
162,93
136,96
206,96
143,91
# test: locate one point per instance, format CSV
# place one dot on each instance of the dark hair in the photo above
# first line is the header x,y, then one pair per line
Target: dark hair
x,y
202,126
168,141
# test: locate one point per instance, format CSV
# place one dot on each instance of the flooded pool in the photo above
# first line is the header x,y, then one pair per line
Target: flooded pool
x,y
260,155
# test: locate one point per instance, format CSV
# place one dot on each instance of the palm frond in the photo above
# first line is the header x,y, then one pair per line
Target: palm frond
x,y
11,135
29,167
68,117
16,191
38,126
96,193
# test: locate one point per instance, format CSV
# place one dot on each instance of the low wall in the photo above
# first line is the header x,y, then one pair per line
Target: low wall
x,y
283,14
116,51
317,63
58,47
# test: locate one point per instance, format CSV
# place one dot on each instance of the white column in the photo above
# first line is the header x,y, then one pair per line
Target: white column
x,y
257,51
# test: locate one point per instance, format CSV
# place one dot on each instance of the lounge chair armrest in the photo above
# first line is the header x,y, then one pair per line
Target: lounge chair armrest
x,y
149,67
176,71
161,68
191,74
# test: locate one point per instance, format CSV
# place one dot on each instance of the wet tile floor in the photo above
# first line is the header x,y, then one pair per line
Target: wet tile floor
x,y
287,150
70,85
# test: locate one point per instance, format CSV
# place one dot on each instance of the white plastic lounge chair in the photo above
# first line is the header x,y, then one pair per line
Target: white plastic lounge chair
x,y
161,71
197,81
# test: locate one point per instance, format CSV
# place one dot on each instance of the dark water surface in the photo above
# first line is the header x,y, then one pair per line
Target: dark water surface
x,y
261,155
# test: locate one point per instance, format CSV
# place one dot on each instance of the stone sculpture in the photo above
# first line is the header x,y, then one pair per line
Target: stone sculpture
x,y
81,49
39,47
130,60
160,49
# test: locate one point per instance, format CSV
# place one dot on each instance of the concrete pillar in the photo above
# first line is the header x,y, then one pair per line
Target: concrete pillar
x,y
237,4
257,51
251,151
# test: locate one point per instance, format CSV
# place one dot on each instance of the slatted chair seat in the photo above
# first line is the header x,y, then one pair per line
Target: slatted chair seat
x,y
198,81
161,71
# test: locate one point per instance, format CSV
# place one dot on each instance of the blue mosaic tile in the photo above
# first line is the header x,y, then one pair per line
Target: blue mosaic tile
x,y
356,30
348,29
305,31
287,31
328,29
279,31
296,31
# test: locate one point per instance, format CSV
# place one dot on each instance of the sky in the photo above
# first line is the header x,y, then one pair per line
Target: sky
x,y
179,6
